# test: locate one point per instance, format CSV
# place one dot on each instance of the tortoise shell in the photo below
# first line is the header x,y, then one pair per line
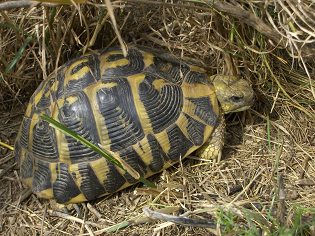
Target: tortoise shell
x,y
151,108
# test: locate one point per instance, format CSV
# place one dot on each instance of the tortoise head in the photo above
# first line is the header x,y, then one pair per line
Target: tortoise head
x,y
233,93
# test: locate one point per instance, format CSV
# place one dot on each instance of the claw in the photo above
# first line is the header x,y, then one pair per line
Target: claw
x,y
212,148
62,207
64,210
77,209
84,206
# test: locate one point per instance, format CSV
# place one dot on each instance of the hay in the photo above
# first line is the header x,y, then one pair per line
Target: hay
x,y
269,43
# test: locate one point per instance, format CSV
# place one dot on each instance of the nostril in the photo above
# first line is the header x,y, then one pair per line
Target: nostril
x,y
236,99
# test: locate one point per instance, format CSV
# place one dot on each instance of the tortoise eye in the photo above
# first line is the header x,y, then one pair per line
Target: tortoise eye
x,y
236,99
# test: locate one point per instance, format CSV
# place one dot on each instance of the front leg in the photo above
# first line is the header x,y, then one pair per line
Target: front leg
x,y
212,148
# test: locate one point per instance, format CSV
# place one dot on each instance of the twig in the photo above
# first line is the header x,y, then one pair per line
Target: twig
x,y
94,211
6,159
6,170
18,179
181,220
305,163
281,206
72,218
24,195
113,19
137,220
25,4
305,182
7,146
43,221
89,230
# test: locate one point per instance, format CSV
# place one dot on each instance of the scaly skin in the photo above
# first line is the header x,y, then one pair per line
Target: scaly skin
x,y
212,148
234,95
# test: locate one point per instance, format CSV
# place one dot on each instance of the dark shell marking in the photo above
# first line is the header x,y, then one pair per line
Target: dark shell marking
x,y
150,107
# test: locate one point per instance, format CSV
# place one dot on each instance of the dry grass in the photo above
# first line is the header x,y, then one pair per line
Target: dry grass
x,y
235,41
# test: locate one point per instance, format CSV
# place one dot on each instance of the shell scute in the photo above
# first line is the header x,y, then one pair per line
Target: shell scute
x,y
64,187
179,143
42,176
90,185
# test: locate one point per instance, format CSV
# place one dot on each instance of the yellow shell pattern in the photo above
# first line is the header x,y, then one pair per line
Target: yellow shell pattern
x,y
151,108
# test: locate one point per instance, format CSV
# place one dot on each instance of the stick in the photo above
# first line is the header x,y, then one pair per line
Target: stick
x,y
181,220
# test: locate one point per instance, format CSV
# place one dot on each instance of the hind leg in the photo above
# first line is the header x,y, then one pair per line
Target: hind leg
x,y
65,207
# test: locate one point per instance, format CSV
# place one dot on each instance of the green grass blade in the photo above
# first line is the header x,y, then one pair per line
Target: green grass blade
x,y
24,31
15,59
147,182
90,145
10,26
19,53
77,137
51,21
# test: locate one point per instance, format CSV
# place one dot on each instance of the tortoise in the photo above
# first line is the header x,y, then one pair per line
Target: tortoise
x,y
151,108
